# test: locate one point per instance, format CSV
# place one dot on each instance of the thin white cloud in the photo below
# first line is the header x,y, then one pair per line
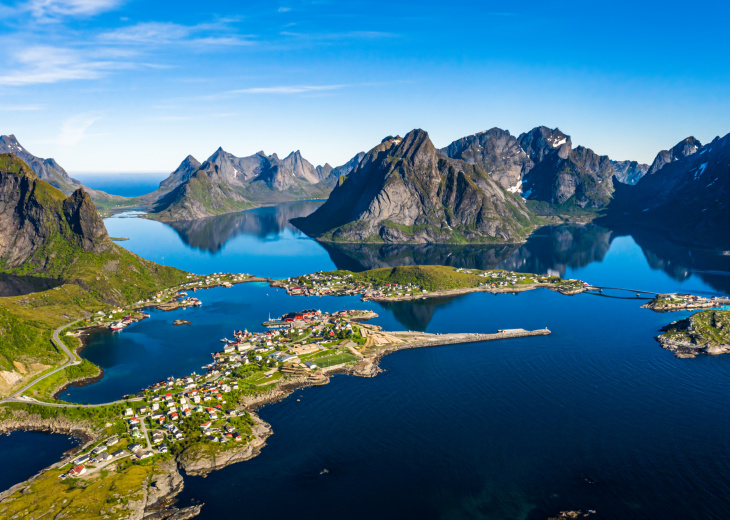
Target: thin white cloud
x,y
73,129
165,33
349,35
283,9
44,64
287,89
51,9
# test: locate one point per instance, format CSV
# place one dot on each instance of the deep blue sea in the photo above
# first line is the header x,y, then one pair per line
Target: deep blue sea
x,y
124,184
595,415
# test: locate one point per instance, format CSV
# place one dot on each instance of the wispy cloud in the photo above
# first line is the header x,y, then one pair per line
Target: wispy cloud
x,y
283,9
48,10
73,129
286,89
44,64
348,35
165,33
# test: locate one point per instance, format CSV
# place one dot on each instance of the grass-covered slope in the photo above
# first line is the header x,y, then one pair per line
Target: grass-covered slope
x,y
44,233
202,195
428,277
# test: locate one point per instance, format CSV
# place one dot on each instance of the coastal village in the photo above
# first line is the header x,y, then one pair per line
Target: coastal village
x,y
169,299
207,413
376,285
680,302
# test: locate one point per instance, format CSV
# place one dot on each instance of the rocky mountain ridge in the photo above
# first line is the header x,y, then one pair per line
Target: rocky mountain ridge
x,y
404,190
225,183
35,214
51,172
689,197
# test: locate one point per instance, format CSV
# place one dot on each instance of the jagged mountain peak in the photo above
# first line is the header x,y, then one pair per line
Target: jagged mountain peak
x,y
187,167
686,147
408,192
497,152
36,219
541,141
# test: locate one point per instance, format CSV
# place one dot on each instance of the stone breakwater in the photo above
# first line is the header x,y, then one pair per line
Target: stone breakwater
x,y
368,366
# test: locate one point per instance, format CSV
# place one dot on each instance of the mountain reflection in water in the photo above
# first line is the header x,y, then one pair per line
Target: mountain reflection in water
x,y
211,234
548,250
553,250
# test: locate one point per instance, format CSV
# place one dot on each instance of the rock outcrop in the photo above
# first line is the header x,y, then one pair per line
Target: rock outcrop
x,y
497,152
34,216
198,463
403,190
705,332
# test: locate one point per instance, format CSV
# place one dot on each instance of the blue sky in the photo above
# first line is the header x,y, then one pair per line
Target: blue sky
x,y
127,86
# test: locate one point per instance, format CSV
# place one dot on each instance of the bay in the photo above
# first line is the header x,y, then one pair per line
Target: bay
x,y
596,415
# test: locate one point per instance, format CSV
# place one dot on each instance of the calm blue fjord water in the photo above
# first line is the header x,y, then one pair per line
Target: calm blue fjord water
x,y
24,454
595,415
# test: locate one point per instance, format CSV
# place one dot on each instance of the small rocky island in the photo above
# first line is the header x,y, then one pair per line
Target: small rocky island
x,y
706,332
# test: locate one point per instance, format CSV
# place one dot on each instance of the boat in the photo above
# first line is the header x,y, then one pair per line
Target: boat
x,y
225,340
116,326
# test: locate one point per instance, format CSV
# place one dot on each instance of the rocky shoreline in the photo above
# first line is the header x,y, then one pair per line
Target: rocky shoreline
x,y
689,350
82,381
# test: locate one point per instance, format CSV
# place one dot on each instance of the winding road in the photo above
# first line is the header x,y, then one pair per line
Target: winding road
x,y
73,359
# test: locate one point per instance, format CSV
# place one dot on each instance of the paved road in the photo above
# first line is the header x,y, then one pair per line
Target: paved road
x,y
65,405
72,360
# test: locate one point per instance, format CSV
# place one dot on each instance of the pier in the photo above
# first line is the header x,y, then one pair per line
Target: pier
x,y
458,338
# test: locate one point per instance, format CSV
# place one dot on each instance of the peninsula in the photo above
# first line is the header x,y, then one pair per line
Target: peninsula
x,y
423,281
202,422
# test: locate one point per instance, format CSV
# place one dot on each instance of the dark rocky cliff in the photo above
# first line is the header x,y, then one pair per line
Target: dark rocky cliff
x,y
497,152
36,218
688,197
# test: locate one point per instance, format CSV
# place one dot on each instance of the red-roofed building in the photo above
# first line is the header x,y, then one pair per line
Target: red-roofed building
x,y
77,470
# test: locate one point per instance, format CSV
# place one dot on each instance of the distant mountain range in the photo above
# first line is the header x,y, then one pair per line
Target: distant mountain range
x,y
225,183
486,187
52,172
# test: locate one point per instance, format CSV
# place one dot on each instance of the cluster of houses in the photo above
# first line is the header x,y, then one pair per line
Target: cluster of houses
x,y
194,408
675,301
322,284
